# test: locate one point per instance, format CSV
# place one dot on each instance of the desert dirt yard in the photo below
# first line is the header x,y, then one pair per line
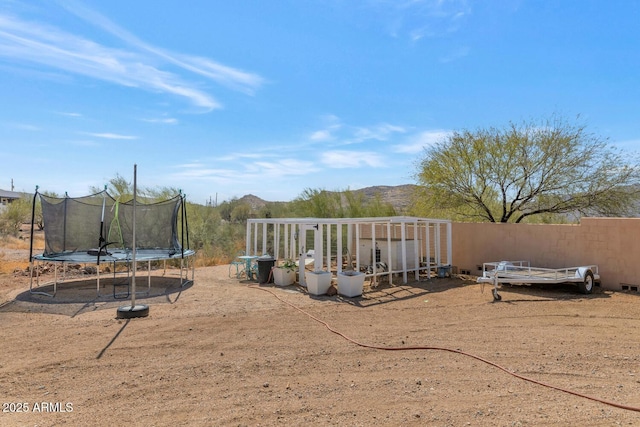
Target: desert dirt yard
x,y
227,351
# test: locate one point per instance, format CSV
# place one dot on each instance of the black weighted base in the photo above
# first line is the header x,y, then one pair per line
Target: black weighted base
x,y
129,312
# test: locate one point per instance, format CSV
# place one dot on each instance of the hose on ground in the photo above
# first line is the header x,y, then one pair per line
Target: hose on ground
x,y
450,350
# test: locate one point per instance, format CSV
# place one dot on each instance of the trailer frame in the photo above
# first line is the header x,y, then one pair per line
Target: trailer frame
x,y
521,272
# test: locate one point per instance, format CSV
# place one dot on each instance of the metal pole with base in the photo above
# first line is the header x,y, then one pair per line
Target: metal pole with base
x,y
133,310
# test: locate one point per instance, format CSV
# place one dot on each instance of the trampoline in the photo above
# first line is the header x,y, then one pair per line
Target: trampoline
x,y
98,229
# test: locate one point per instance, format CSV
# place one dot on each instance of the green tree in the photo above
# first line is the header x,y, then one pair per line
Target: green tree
x,y
14,215
241,212
226,208
376,207
162,193
122,189
274,210
320,203
118,187
355,204
526,170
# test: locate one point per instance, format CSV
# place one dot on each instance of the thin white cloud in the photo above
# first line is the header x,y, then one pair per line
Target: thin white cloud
x,y
241,156
340,159
204,172
332,124
140,65
455,54
35,43
199,171
254,155
419,19
331,120
24,126
281,168
107,135
225,75
31,73
321,135
417,34
418,143
69,114
246,172
341,134
166,121
380,132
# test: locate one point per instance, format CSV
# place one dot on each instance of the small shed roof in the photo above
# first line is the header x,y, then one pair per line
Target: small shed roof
x,y
4,194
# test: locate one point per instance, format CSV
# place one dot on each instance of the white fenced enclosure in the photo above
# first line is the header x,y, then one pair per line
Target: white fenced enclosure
x,y
379,247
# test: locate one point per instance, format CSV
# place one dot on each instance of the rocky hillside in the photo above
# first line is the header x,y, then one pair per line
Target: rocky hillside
x,y
255,202
398,196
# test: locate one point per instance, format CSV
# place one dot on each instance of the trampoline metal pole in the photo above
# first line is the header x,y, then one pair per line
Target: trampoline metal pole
x,y
33,215
141,310
101,239
133,253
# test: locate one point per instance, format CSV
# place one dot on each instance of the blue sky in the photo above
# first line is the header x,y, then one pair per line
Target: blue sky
x,y
227,98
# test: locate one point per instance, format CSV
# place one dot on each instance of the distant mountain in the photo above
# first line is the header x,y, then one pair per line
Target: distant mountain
x,y
398,196
255,202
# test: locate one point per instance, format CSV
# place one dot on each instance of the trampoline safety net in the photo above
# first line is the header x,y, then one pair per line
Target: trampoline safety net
x,y
97,221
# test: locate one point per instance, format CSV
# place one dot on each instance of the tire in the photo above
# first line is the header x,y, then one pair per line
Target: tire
x,y
127,312
586,287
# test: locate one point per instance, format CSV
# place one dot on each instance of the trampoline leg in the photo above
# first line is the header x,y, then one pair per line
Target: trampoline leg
x,y
31,276
184,264
38,282
184,271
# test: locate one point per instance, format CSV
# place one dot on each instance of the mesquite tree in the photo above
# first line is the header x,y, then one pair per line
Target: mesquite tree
x,y
522,170
320,203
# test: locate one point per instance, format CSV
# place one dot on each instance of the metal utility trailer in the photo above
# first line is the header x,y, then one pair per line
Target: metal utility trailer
x,y
519,272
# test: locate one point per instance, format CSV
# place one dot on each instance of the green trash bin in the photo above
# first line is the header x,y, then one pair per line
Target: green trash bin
x,y
265,264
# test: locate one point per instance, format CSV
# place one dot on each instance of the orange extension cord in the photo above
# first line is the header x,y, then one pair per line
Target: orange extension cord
x,y
450,350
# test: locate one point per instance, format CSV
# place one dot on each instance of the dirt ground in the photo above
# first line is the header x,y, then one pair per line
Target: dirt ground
x,y
224,351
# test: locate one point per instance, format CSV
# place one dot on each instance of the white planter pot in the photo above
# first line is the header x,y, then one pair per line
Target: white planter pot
x,y
283,276
318,283
350,284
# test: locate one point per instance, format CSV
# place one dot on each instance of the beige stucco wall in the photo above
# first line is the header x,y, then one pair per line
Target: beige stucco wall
x,y
611,243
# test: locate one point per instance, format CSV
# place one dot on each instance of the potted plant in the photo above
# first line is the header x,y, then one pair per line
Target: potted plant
x,y
318,281
350,283
285,273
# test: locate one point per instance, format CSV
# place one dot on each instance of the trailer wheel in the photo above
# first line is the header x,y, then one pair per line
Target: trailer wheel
x,y
586,287
496,295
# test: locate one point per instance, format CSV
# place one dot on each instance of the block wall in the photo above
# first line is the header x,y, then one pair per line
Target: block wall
x,y
611,243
